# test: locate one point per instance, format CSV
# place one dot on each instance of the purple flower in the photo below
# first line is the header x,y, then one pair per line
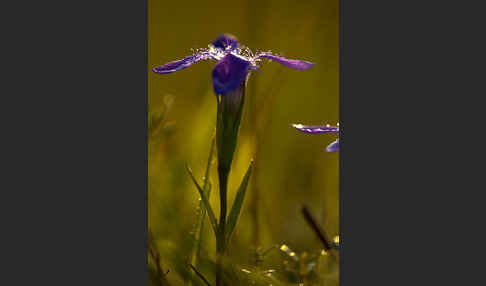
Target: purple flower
x,y
235,62
316,129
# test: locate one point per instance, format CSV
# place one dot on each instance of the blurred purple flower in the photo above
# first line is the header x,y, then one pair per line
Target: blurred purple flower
x,y
316,129
235,62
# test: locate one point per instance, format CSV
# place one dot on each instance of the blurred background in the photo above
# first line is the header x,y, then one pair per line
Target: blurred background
x,y
291,168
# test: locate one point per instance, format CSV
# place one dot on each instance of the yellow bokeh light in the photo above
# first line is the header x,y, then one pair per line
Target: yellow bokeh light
x,y
336,239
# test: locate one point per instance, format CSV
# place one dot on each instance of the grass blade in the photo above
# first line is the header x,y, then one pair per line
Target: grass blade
x,y
158,274
317,230
205,201
238,203
201,214
200,275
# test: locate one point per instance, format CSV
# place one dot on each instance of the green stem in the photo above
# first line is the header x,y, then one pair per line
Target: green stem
x,y
223,191
230,109
219,260
221,236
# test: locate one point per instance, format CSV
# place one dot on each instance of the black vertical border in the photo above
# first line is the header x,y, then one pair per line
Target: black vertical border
x,y
145,188
74,190
410,74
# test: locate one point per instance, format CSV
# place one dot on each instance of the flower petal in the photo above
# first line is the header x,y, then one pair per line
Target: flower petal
x,y
333,147
295,64
315,129
181,64
229,73
226,41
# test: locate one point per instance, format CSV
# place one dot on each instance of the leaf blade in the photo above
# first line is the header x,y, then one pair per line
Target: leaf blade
x,y
238,203
201,214
205,201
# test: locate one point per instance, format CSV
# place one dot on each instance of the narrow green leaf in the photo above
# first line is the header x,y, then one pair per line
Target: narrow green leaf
x,y
238,203
205,201
201,214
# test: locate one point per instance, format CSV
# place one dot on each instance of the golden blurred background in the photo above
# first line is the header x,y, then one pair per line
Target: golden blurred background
x,y
291,168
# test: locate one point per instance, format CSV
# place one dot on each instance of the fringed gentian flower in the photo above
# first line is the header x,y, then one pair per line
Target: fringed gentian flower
x,y
316,129
229,77
235,62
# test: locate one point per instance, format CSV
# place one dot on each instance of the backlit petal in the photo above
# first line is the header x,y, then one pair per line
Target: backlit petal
x,y
229,73
295,64
315,129
333,147
181,64
226,42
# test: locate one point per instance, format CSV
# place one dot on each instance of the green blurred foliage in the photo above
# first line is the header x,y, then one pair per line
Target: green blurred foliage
x,y
291,168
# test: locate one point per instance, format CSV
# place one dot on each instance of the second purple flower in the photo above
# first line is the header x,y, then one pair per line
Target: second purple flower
x,y
316,129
